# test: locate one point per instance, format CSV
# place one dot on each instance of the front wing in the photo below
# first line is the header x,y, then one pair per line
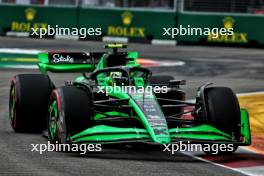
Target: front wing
x,y
202,134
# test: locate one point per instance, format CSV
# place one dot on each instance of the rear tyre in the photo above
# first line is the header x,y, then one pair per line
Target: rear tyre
x,y
70,112
223,111
28,102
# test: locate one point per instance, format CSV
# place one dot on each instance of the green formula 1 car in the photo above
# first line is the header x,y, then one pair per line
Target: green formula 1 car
x,y
87,110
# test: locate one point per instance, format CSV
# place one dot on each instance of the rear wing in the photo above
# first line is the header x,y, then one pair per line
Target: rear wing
x,y
69,61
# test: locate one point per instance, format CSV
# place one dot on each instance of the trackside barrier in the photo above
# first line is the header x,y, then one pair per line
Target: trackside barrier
x,y
130,25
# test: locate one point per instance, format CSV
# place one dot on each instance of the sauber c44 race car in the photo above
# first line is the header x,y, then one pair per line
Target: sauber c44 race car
x,y
86,111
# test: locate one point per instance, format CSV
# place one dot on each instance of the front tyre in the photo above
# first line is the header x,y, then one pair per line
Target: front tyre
x,y
70,112
223,110
223,113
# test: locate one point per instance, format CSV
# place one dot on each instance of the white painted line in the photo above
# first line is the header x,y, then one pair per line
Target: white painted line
x,y
170,63
163,42
19,51
67,37
250,93
155,63
17,34
20,66
256,170
115,39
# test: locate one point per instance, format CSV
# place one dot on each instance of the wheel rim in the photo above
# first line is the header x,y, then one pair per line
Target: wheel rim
x,y
53,117
12,106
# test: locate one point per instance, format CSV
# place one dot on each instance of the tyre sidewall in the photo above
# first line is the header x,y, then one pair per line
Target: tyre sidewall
x,y
61,133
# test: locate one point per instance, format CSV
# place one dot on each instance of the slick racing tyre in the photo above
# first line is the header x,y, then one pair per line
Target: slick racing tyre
x,y
70,112
28,102
223,111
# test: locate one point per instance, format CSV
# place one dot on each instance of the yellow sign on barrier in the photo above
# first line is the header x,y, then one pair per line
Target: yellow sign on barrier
x,y
26,26
237,37
126,30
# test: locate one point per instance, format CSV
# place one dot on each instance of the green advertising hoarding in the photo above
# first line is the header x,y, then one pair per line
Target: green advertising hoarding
x,y
133,23
121,23
127,23
22,18
248,29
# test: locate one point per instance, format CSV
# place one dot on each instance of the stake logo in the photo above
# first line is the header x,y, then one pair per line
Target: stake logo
x,y
57,58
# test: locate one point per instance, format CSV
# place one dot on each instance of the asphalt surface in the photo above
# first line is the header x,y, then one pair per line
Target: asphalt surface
x,y
238,68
